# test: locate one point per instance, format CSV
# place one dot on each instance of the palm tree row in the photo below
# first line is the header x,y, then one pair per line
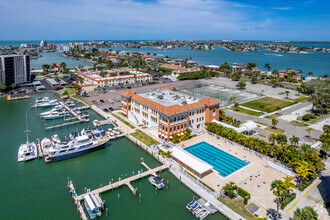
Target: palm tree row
x,y
288,154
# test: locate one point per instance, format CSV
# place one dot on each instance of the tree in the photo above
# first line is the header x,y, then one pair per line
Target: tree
x,y
63,65
2,87
275,73
287,93
250,66
272,138
294,140
13,85
224,66
46,67
262,92
235,77
309,131
254,79
232,99
229,189
236,105
288,184
176,139
241,85
281,139
304,171
310,73
279,191
307,213
267,66
103,74
221,114
274,122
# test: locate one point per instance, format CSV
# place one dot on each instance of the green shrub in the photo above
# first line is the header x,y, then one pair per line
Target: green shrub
x,y
305,185
286,201
244,194
306,117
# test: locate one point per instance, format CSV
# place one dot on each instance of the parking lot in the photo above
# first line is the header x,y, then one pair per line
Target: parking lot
x,y
113,93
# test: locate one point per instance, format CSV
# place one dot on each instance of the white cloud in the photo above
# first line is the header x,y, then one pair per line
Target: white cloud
x,y
282,8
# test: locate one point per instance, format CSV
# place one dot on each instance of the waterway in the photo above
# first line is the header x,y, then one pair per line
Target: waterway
x,y
50,58
318,63
38,190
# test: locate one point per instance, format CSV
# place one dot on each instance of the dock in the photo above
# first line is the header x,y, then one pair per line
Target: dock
x,y
10,98
40,153
124,181
97,192
62,125
71,110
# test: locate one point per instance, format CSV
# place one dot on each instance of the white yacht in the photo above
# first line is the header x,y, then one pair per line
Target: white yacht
x,y
57,108
55,115
27,151
46,144
79,146
45,102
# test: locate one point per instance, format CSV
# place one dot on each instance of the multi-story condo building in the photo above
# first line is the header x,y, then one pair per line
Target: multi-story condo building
x,y
43,43
14,69
114,78
167,112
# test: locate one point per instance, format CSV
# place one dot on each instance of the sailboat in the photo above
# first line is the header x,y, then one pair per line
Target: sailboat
x,y
27,151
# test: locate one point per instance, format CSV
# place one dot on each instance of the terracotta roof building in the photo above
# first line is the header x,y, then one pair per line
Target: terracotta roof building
x,y
167,112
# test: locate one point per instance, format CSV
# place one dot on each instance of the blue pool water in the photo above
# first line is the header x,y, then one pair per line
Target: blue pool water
x,y
221,161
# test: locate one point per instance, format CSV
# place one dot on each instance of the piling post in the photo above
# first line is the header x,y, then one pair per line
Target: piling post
x,y
140,197
118,197
106,212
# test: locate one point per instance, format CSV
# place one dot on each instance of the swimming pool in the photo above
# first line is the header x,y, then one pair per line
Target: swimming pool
x,y
221,161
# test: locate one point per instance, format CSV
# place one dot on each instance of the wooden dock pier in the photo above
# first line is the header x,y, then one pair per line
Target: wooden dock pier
x,y
124,181
97,192
40,153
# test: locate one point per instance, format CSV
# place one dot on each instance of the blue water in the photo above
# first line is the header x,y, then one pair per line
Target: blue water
x,y
318,63
221,161
50,58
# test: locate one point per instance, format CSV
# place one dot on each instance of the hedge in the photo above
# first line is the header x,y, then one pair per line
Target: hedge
x,y
306,184
286,201
244,194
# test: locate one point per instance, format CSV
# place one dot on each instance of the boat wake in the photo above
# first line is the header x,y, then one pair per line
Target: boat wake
x,y
271,54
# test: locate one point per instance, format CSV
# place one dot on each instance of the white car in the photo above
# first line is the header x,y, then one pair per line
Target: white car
x,y
110,101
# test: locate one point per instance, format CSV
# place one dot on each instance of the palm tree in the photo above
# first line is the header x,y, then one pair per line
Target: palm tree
x,y
274,122
278,191
236,105
275,73
287,93
63,65
221,114
288,184
281,139
272,138
267,66
309,131
232,99
262,92
310,73
304,170
294,140
305,213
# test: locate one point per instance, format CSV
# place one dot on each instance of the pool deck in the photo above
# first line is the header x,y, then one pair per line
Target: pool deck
x,y
258,185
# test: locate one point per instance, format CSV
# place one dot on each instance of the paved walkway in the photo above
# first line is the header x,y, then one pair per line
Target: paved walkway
x,y
294,115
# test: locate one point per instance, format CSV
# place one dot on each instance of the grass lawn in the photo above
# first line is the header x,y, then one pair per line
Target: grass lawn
x,y
275,131
144,138
70,91
246,111
269,103
122,120
238,206
82,99
262,136
300,99
298,123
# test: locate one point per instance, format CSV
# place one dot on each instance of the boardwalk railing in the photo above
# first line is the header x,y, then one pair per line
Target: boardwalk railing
x,y
277,165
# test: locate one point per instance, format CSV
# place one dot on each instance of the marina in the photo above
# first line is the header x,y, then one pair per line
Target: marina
x,y
89,170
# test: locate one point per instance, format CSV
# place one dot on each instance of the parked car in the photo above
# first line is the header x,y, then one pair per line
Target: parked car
x,y
110,108
101,100
106,110
117,88
96,93
110,101
94,102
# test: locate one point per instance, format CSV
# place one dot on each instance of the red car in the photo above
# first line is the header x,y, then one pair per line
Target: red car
x,y
117,88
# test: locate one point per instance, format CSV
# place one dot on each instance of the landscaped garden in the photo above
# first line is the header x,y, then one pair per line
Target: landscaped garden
x,y
245,111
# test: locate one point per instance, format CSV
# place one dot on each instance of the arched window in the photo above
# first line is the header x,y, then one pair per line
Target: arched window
x,y
214,111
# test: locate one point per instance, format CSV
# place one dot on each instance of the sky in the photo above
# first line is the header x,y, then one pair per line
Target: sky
x,y
305,20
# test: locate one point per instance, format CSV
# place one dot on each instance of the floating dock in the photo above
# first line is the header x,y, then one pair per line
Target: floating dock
x,y
40,153
200,208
